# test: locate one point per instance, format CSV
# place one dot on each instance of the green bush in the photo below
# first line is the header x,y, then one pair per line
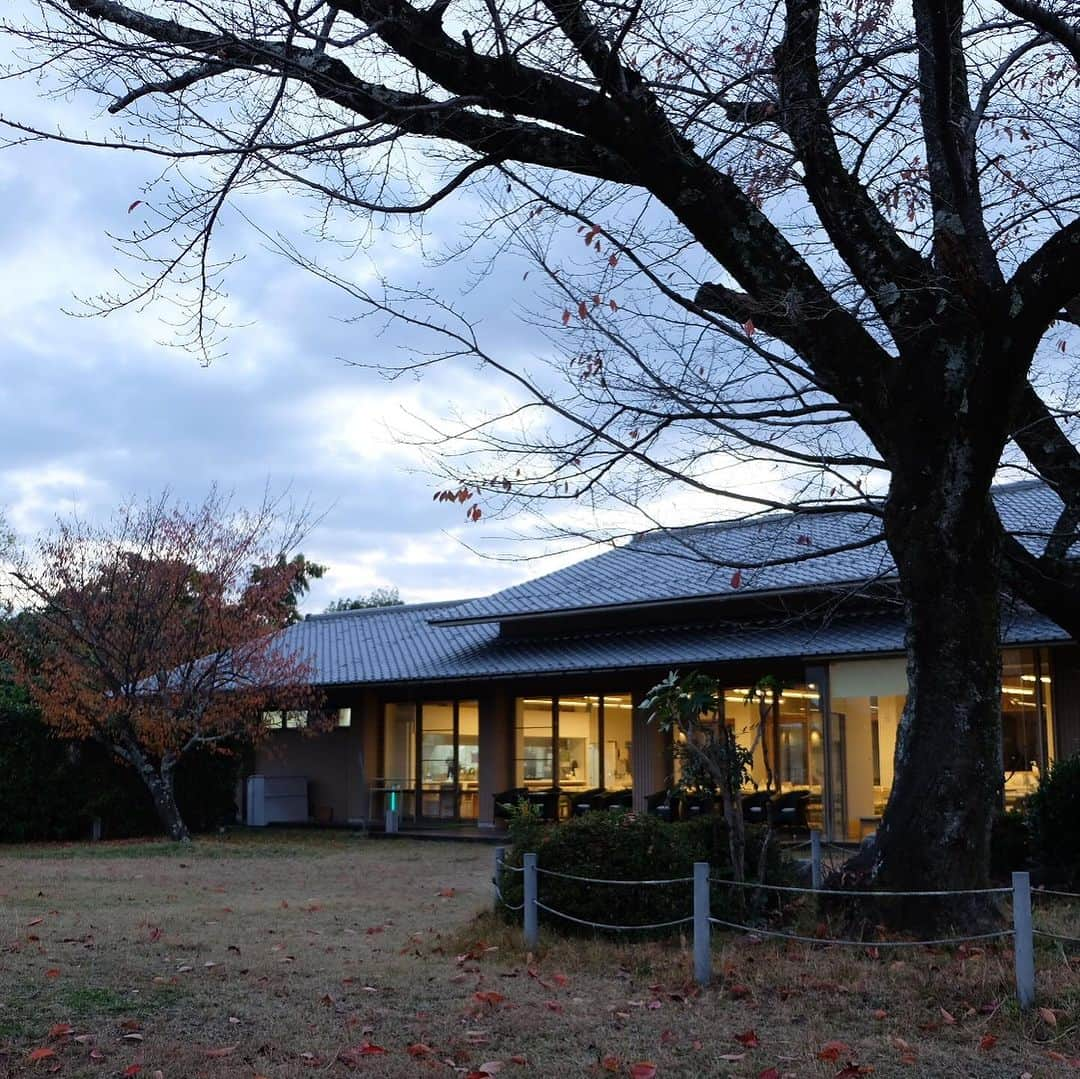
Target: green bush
x,y
1053,814
53,789
622,846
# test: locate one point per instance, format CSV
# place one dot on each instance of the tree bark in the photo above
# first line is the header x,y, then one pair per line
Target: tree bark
x,y
935,833
161,783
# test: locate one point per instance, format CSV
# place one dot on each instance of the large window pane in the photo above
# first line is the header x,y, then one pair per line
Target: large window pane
x,y
399,754
469,758
618,731
1023,728
438,768
534,748
579,742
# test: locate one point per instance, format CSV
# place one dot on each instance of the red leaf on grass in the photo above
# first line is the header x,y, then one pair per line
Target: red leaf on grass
x,y
489,996
44,1053
61,1030
131,1069
833,1050
748,1038
988,1041
419,1049
52,972
644,1069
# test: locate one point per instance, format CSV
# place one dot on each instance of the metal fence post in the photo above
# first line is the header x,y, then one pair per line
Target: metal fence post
x,y
1023,940
815,859
702,927
500,854
532,920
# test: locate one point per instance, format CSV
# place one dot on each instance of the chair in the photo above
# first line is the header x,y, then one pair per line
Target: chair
x,y
587,801
621,799
755,807
553,803
789,810
659,804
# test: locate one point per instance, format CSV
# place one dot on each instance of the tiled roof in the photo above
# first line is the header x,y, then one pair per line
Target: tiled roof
x,y
700,562
399,644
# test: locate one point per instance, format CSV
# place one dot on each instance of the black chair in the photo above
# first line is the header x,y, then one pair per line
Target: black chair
x,y
587,801
553,804
755,807
789,810
697,805
623,799
507,800
659,804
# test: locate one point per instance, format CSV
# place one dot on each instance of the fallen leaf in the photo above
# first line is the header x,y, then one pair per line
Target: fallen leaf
x,y
1048,1016
52,972
644,1069
948,1017
419,1049
748,1038
611,1064
988,1041
489,997
131,1069
44,1053
832,1051
61,1030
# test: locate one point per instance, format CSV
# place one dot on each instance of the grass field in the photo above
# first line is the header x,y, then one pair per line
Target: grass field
x,y
300,954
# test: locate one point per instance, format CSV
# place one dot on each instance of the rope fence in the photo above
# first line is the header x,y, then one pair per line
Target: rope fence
x,y
1022,932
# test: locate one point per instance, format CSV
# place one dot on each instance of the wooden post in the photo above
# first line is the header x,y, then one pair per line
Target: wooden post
x,y
531,911
815,859
1023,940
702,927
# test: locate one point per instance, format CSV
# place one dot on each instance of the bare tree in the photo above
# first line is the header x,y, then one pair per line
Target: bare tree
x,y
838,237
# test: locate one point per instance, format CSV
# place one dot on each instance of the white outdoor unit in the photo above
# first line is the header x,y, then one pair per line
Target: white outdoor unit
x,y
277,800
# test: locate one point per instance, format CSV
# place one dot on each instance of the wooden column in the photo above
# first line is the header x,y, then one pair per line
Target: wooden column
x,y
496,758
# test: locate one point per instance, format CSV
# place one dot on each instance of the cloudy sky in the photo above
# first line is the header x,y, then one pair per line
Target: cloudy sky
x,y
95,410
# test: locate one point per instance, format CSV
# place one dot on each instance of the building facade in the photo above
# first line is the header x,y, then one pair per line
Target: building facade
x,y
442,707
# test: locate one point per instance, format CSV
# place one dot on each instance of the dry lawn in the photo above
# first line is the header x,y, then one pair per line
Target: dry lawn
x,y
300,954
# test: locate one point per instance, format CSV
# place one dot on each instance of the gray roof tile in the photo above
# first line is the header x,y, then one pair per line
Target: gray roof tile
x,y
698,562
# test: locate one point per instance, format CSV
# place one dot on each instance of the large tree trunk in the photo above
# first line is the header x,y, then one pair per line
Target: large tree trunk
x,y
160,782
935,833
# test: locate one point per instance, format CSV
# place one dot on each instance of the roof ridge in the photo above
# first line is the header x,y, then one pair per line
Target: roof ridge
x,y
389,608
734,523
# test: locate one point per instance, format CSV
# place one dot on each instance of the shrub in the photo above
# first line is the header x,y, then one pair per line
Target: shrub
x,y
1053,811
621,846
53,789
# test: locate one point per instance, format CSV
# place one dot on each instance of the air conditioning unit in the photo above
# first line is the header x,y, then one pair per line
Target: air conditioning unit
x,y
277,800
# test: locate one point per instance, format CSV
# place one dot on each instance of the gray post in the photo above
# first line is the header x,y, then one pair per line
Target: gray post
x,y
815,859
532,920
1023,940
391,821
702,928
500,854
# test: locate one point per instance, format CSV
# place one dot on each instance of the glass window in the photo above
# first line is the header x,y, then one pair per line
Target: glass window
x,y
579,742
618,731
1025,693
344,717
273,720
469,759
534,750
297,719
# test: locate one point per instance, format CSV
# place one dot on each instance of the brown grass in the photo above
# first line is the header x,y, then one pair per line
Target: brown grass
x,y
276,954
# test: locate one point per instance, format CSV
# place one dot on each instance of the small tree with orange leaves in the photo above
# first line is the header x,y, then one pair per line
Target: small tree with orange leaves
x,y
152,634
